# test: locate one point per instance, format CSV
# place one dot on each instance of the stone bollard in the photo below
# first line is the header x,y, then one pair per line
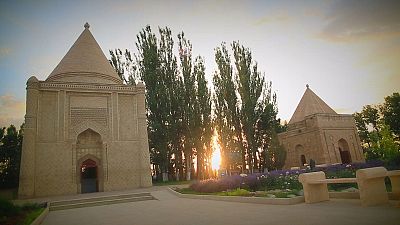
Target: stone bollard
x,y
371,185
314,192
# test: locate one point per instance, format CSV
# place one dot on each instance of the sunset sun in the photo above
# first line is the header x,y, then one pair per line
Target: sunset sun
x,y
216,156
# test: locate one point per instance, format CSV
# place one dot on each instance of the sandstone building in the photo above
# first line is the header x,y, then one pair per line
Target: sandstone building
x,y
317,132
85,131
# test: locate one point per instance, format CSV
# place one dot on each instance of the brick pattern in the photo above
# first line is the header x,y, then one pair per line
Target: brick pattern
x,y
79,115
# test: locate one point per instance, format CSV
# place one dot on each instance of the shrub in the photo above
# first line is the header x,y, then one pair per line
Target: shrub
x,y
7,208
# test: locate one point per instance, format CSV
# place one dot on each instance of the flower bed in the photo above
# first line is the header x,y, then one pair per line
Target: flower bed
x,y
279,179
246,193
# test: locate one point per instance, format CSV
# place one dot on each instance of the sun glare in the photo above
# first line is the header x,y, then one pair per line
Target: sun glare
x,y
216,156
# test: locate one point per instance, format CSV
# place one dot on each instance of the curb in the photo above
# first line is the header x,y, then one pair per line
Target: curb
x,y
355,195
41,217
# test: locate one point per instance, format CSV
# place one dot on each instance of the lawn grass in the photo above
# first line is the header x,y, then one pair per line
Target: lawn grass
x,y
241,192
172,183
31,216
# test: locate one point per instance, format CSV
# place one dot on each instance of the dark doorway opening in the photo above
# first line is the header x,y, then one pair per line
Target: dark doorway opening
x,y
344,151
303,160
89,181
345,156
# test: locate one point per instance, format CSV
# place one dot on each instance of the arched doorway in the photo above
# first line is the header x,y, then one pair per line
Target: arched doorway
x,y
344,151
300,152
89,148
89,178
303,159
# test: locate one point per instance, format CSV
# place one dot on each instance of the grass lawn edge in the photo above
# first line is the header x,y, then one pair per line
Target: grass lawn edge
x,y
256,200
41,216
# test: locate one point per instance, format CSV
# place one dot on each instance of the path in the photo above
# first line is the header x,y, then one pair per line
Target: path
x,y
172,210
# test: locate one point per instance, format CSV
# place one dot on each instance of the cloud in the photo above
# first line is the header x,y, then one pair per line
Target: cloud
x,y
351,20
12,110
5,52
282,17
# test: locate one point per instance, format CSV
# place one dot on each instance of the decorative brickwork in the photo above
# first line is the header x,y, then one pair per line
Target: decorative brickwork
x,y
83,112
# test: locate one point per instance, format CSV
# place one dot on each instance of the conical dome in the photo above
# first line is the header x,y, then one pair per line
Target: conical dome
x,y
310,104
85,62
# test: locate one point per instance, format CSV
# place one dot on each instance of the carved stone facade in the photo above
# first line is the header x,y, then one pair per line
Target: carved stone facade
x,y
317,132
82,119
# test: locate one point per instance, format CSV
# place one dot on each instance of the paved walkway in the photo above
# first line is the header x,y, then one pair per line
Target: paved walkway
x,y
172,210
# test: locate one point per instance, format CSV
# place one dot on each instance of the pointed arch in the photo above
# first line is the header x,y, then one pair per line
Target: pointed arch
x,y
344,151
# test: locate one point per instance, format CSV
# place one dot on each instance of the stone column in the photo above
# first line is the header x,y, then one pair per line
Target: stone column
x,y
27,168
145,173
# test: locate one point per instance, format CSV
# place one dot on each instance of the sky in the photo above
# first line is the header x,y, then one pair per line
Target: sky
x,y
347,51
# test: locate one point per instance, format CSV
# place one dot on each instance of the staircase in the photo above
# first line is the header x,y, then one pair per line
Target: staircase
x,y
101,200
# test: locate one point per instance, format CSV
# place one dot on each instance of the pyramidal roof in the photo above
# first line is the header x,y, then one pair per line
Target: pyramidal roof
x,y
310,104
85,62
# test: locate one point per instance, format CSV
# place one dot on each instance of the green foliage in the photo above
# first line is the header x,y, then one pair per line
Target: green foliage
x,y
281,182
383,145
7,209
21,215
346,173
10,156
31,216
236,192
390,111
245,108
171,183
125,66
275,155
178,100
378,130
227,114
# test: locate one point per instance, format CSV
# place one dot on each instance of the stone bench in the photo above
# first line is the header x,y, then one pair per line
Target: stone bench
x,y
371,185
394,176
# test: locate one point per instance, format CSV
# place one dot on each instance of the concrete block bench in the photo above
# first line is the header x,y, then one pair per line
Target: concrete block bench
x,y
370,182
394,176
371,185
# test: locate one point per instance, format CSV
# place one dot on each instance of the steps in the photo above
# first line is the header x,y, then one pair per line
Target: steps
x,y
101,200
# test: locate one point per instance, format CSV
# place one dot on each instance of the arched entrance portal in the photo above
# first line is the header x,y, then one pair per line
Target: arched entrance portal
x,y
89,178
344,151
300,152
89,148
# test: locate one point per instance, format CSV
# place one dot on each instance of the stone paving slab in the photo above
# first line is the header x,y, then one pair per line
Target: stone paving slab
x,y
96,194
171,210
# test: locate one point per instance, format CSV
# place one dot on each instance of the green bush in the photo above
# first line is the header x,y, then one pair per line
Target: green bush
x,y
281,182
7,208
21,215
346,173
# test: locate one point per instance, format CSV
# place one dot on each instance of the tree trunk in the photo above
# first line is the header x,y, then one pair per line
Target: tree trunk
x,y
199,167
165,177
188,159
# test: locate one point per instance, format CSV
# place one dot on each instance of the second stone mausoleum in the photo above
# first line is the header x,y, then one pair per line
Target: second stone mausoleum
x,y
85,131
317,132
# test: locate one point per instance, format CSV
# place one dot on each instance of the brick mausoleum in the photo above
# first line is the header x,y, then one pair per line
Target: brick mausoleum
x,y
85,131
317,132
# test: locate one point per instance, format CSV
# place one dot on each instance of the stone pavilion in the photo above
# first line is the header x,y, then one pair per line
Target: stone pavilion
x,y
85,131
317,132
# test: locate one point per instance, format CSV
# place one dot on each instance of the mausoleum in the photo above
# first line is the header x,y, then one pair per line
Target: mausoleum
x,y
85,131
317,132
